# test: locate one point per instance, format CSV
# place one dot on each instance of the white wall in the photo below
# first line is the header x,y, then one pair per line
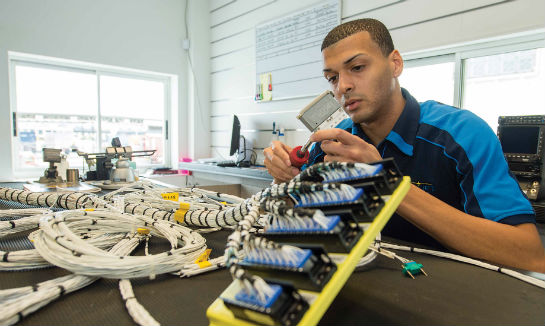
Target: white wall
x,y
139,34
414,24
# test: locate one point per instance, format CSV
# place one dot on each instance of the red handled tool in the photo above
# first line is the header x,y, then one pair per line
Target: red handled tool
x,y
299,155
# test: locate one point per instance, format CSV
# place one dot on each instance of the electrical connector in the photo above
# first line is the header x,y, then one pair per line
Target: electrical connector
x,y
284,306
339,235
412,268
310,271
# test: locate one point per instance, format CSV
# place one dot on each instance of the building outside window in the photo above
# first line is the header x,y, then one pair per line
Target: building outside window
x,y
70,107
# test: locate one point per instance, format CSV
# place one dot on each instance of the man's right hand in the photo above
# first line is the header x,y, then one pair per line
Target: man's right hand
x,y
277,161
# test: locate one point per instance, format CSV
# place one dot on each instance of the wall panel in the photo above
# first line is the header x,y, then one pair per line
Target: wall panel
x,y
415,25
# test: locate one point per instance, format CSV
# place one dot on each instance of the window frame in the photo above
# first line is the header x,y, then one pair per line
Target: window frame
x,y
169,81
485,47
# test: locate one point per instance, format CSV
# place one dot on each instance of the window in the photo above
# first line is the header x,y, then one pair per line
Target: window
x,y
505,84
504,76
70,107
430,81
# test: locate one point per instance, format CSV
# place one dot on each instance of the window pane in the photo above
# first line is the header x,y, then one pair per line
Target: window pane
x,y
505,84
430,82
133,110
55,109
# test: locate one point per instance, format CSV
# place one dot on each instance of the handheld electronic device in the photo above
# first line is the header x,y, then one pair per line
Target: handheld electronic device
x,y
324,112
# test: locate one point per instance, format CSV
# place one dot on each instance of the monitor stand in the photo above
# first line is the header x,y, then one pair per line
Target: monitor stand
x,y
245,151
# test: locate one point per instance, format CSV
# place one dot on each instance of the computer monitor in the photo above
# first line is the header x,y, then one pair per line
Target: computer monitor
x,y
235,136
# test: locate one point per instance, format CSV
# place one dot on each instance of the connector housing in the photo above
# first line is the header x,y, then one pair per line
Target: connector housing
x,y
285,307
340,236
385,181
312,273
363,207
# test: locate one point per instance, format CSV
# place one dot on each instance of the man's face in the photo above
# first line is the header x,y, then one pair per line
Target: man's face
x,y
362,79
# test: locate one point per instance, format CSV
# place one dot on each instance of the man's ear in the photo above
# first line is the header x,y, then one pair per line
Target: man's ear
x,y
397,63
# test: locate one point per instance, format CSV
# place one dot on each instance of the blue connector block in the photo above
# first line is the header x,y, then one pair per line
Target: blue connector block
x,y
253,300
300,262
367,174
358,194
333,221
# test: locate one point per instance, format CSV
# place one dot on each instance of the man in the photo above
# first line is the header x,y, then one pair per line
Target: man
x,y
462,197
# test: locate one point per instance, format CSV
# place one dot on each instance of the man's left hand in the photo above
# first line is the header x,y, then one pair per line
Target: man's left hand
x,y
341,146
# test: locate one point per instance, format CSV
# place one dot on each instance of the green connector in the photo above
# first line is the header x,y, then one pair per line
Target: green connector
x,y
413,268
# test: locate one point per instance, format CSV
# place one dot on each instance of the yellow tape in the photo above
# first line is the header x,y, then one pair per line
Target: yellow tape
x,y
184,206
89,209
170,196
204,264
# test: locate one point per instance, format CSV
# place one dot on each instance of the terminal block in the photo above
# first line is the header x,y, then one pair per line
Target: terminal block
x,y
285,307
310,272
364,206
385,180
340,235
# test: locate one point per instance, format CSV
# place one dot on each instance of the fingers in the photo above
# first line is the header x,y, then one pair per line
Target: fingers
x,y
282,151
357,152
340,135
278,162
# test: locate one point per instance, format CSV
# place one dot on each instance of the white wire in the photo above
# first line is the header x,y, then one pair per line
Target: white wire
x,y
138,313
59,245
517,275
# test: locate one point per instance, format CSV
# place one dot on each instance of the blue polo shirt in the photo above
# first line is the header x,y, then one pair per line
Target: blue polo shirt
x,y
453,155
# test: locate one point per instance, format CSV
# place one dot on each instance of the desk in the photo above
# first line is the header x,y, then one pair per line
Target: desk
x,y
252,179
255,173
453,293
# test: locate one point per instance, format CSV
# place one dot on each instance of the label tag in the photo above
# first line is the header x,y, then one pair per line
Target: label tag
x,y
170,196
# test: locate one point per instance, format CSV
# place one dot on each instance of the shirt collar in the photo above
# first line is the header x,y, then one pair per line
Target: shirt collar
x,y
404,132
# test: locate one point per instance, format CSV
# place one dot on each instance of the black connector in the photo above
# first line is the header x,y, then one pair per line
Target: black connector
x,y
285,307
311,272
340,236
385,181
364,208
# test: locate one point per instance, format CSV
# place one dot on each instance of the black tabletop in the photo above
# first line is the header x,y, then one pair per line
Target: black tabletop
x,y
454,293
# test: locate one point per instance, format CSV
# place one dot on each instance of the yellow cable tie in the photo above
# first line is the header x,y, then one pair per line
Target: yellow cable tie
x,y
142,231
202,260
179,215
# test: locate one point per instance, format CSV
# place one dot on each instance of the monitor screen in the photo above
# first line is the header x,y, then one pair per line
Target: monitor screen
x,y
235,136
519,139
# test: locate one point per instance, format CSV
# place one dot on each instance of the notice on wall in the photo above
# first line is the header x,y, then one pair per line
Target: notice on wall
x,y
289,50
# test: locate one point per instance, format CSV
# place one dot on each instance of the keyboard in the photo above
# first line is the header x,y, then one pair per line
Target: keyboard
x,y
226,163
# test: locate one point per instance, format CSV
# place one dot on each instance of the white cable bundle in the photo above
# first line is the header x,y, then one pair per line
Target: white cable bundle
x,y
31,259
19,225
24,301
21,260
138,313
57,243
23,212
71,200
17,303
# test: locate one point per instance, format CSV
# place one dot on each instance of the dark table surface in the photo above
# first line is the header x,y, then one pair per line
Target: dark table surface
x,y
454,293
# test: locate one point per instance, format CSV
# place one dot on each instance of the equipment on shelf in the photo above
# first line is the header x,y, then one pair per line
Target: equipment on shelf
x,y
106,169
51,174
522,141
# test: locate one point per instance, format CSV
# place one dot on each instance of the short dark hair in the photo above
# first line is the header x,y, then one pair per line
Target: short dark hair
x,y
376,29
